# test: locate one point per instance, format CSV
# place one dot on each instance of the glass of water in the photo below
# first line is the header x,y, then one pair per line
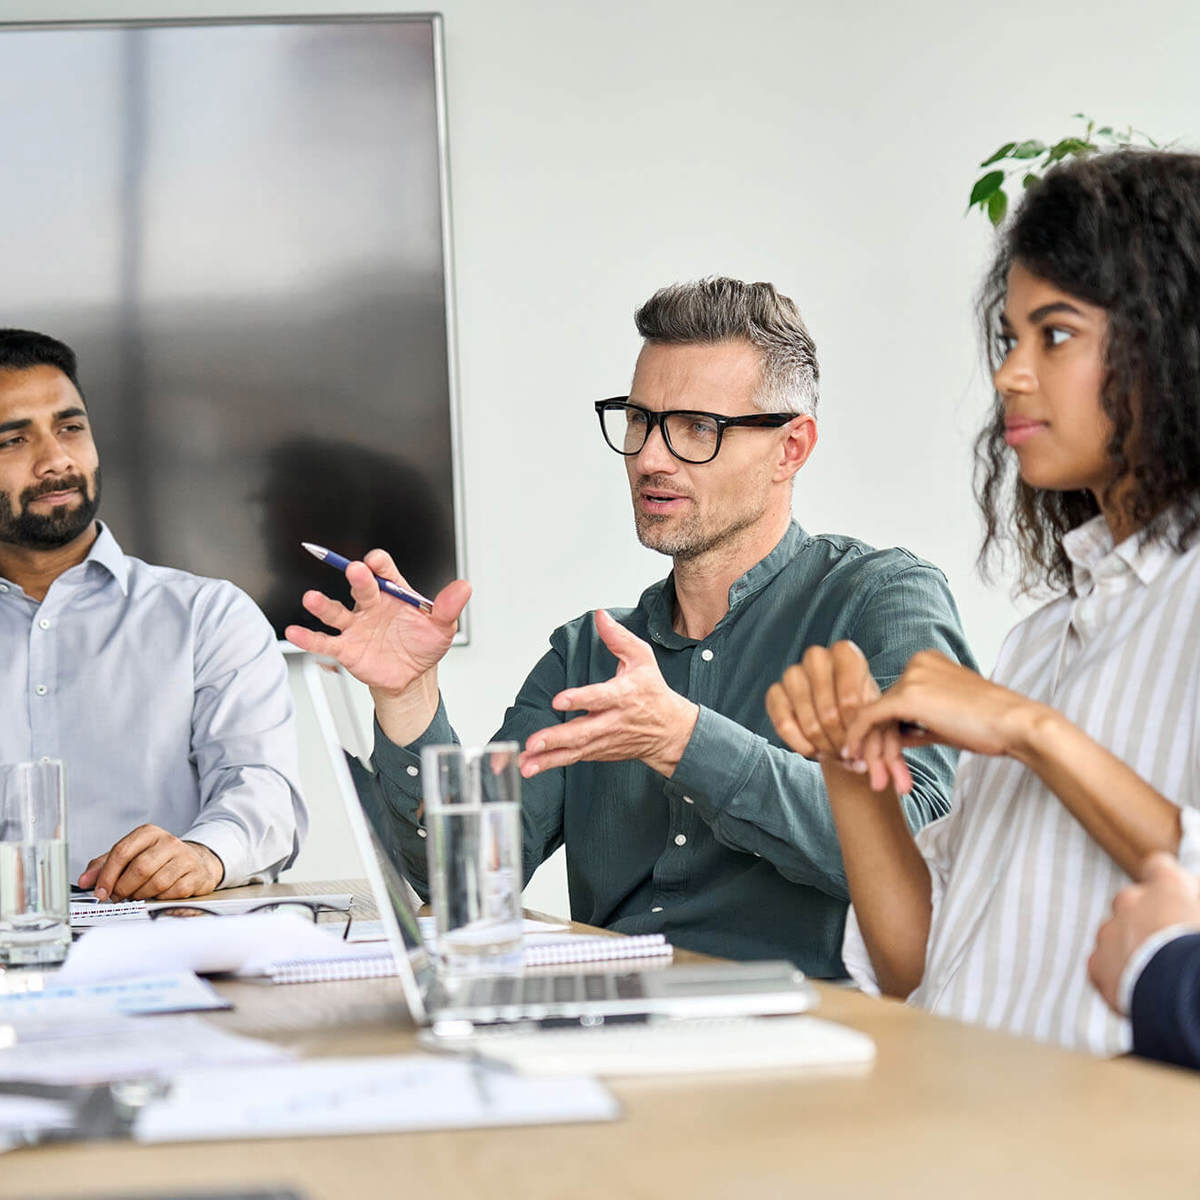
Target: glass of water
x,y
473,818
35,925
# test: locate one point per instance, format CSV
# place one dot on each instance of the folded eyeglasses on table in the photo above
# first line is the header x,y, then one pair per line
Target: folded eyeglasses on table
x,y
308,909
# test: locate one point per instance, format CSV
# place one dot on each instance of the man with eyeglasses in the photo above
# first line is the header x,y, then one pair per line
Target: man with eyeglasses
x,y
648,750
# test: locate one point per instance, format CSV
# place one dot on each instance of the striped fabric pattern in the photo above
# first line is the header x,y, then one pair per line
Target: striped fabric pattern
x,y
1019,888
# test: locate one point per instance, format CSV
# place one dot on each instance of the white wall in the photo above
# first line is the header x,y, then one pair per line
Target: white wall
x,y
600,150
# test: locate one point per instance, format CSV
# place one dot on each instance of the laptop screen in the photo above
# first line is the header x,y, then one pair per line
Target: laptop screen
x,y
415,968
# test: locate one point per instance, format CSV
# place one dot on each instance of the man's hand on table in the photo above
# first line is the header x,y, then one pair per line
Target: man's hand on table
x,y
151,864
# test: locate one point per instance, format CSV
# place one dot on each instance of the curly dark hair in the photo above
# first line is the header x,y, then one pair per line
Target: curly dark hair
x,y
1121,231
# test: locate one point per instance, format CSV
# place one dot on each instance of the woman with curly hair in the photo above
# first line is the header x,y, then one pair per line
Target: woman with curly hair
x,y
1082,754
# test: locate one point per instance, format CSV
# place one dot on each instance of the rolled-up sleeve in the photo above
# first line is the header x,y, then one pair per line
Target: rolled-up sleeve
x,y
252,815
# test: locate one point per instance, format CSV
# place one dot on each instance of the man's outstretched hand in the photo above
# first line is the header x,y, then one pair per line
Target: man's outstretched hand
x,y
632,715
382,641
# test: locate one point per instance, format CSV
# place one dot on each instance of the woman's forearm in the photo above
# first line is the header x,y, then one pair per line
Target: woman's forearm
x,y
1117,807
889,880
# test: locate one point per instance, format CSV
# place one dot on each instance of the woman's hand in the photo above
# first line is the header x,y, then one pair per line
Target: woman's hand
x,y
817,699
936,701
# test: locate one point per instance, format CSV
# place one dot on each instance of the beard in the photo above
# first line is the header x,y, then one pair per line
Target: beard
x,y
691,537
48,531
701,528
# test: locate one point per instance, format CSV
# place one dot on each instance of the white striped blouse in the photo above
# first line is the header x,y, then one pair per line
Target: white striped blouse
x,y
1019,888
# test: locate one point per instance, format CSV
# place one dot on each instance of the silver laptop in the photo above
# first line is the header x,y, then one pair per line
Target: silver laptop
x,y
583,998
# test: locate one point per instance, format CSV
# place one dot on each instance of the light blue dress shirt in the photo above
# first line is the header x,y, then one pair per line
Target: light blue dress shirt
x,y
166,696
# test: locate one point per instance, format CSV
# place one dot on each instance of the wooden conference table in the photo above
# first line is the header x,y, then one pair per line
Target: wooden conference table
x,y
947,1111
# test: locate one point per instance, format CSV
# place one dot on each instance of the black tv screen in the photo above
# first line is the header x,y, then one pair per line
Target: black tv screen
x,y
241,228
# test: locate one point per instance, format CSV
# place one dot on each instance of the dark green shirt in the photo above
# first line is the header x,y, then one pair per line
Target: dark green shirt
x,y
735,854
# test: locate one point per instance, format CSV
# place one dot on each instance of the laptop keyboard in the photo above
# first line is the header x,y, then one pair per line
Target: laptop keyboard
x,y
523,990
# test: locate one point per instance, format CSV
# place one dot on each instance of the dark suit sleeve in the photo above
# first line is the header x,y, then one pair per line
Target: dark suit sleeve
x,y
1166,1004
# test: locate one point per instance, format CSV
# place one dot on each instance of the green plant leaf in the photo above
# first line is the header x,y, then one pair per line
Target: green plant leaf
x,y
1029,149
1003,152
1071,145
997,206
1029,181
1105,131
985,187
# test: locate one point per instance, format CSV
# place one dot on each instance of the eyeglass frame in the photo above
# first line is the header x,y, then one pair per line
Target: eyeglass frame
x,y
314,906
764,420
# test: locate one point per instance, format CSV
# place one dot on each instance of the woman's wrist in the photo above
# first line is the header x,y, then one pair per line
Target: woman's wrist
x,y
1035,730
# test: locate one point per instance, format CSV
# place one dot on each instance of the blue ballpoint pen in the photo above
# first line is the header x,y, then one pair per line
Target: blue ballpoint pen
x,y
330,559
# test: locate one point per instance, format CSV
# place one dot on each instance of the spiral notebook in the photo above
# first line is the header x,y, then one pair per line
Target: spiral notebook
x,y
574,949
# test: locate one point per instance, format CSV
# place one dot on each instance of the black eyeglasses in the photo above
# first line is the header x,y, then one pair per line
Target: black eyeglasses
x,y
308,909
692,437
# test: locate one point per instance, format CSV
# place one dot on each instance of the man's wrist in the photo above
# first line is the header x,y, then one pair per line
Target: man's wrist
x,y
212,861
676,742
404,716
1139,960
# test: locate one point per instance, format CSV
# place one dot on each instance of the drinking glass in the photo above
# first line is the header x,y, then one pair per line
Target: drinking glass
x,y
473,818
35,924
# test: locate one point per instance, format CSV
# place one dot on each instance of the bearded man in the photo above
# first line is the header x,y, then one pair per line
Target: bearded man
x,y
164,694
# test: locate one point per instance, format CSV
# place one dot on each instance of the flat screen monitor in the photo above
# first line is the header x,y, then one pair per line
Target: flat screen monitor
x,y
242,229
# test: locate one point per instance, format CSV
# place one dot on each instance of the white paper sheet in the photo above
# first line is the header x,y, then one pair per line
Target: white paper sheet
x,y
246,945
529,929
177,992
367,931
364,1095
19,1114
127,1048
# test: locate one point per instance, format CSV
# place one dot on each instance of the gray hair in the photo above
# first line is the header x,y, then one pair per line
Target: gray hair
x,y
717,309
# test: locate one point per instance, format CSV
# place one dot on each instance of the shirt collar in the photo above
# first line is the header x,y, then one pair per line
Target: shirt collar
x,y
659,598
107,554
1094,556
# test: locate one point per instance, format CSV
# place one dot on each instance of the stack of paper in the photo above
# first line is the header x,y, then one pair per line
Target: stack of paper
x,y
110,1048
364,1095
246,945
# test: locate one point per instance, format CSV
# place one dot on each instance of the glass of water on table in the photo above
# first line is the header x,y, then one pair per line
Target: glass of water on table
x,y
473,818
35,925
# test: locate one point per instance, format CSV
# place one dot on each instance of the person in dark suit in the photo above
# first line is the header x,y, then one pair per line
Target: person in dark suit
x,y
1146,963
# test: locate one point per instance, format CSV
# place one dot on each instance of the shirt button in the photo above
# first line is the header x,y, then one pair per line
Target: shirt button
x,y
707,655
657,908
680,839
688,800
43,624
40,689
412,770
3,587
422,833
